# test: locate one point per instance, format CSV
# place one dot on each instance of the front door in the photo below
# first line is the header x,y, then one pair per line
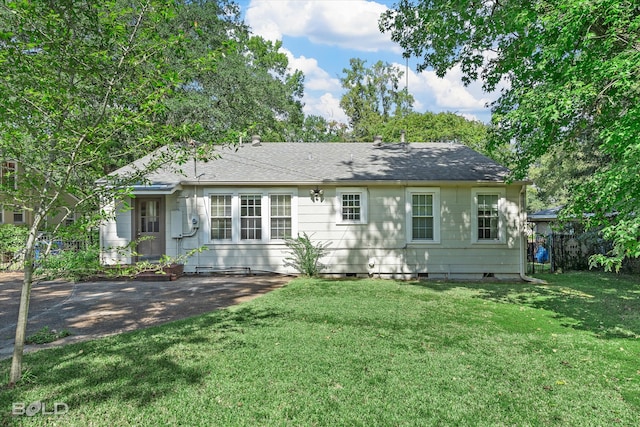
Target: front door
x,y
149,228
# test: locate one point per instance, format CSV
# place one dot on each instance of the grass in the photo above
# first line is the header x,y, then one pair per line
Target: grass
x,y
363,353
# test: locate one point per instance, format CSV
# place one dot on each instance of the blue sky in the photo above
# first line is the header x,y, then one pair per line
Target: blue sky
x,y
320,36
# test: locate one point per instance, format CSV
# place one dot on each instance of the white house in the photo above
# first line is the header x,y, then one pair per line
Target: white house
x,y
418,210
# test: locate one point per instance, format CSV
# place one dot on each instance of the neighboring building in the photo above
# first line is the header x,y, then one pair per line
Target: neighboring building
x,y
436,210
9,177
569,244
10,173
543,221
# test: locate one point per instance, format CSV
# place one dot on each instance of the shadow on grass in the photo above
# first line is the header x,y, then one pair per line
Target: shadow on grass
x,y
607,305
136,368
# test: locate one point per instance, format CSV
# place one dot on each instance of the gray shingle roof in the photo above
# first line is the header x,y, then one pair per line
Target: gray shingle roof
x,y
311,163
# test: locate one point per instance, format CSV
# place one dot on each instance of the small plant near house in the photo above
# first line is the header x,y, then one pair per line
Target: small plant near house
x,y
305,256
73,265
166,262
46,335
162,266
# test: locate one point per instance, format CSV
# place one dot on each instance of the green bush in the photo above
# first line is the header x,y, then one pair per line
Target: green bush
x,y
12,237
70,264
304,256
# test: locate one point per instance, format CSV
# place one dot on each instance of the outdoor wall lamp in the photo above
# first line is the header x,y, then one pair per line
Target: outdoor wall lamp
x,y
317,194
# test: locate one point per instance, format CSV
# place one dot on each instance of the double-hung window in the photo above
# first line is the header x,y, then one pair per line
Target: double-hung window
x,y
488,216
423,215
352,206
221,219
487,221
252,216
280,216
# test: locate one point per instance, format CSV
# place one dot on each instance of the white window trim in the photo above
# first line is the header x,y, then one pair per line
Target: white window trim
x,y
364,203
235,214
501,193
433,191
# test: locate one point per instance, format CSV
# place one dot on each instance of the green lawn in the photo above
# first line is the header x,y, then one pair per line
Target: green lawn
x,y
363,352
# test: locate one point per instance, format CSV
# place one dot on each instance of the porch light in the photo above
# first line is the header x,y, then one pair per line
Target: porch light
x,y
317,195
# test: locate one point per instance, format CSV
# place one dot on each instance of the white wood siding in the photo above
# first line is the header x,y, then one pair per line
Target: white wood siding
x,y
381,241
115,234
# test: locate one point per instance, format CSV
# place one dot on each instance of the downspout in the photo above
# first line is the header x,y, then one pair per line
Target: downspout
x,y
521,208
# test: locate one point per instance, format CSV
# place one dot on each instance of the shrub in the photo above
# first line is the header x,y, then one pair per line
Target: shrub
x,y
12,240
70,264
304,256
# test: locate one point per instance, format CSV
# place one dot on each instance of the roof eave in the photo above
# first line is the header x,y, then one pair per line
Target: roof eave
x,y
154,189
390,183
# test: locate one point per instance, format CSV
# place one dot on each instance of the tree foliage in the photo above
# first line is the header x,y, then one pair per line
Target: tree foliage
x,y
376,105
250,89
571,76
372,96
84,85
318,129
435,127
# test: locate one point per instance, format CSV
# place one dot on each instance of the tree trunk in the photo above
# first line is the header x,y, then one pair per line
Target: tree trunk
x,y
23,313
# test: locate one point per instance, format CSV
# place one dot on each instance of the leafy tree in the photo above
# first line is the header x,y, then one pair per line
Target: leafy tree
x,y
560,170
434,127
250,89
78,78
372,96
571,71
317,129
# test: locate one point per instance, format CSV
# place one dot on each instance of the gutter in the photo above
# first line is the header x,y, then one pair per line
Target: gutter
x,y
350,183
523,276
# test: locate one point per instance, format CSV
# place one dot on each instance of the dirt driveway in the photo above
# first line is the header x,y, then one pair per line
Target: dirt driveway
x,y
93,309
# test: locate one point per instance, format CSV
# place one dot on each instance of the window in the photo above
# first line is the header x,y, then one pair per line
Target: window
x,y
352,206
423,215
149,216
252,215
8,175
487,216
280,216
487,219
221,226
18,217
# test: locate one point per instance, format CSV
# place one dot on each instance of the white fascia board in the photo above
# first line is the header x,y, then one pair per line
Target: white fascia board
x,y
153,189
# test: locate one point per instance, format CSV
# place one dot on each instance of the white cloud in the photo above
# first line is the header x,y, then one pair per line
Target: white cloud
x,y
326,106
353,25
471,117
350,25
448,93
315,78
